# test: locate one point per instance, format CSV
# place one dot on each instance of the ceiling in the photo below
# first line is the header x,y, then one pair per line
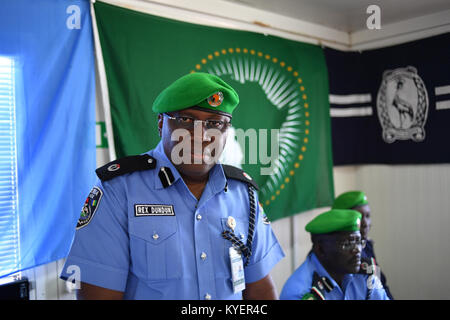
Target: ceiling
x,y
348,15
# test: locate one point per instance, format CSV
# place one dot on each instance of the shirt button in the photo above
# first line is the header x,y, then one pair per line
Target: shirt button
x,y
207,296
155,236
199,217
203,256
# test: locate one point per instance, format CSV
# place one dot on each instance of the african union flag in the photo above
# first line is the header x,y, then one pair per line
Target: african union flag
x,y
281,126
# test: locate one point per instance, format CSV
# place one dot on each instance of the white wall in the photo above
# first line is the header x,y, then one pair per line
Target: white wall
x,y
411,219
410,204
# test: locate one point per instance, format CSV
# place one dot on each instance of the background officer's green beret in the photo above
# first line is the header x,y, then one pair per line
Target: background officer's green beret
x,y
335,220
349,200
197,89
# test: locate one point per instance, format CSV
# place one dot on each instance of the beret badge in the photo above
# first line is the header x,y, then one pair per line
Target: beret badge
x,y
216,99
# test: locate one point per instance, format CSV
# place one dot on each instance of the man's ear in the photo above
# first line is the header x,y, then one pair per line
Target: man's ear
x,y
160,123
318,249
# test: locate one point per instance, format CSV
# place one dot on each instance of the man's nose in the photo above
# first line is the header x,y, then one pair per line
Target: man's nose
x,y
200,131
357,248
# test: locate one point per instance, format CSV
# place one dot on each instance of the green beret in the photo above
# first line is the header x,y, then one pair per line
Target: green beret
x,y
335,220
199,89
349,200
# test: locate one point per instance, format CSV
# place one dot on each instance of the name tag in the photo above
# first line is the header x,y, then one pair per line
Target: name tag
x,y
237,270
142,210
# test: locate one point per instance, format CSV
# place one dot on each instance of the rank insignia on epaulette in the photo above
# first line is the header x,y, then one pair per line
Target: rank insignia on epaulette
x,y
90,207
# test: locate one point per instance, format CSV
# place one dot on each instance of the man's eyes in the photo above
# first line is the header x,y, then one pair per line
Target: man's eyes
x,y
216,123
186,119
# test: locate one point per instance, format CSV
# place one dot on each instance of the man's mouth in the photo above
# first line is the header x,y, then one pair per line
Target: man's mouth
x,y
356,261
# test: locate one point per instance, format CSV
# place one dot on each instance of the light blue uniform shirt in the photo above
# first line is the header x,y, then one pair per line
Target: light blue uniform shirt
x,y
182,256
354,286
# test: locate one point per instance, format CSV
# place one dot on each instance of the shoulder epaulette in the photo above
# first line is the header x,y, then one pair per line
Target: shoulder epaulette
x,y
125,165
238,174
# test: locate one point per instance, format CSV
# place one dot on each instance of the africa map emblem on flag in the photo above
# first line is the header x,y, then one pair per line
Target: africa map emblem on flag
x,y
280,133
286,101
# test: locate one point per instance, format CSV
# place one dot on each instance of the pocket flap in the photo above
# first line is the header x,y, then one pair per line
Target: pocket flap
x,y
153,229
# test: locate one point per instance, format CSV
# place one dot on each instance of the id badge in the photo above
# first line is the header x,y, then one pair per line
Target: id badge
x,y
237,270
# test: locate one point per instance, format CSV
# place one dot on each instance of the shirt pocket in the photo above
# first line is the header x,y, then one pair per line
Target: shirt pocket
x,y
155,248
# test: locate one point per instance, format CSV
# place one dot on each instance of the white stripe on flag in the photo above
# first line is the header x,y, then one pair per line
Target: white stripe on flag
x,y
351,112
442,105
442,90
350,98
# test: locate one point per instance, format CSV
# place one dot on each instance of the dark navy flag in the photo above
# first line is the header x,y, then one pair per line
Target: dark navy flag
x,y
391,105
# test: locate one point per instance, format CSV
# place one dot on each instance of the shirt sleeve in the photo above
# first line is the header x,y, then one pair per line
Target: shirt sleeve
x,y
299,283
292,290
378,292
266,251
100,250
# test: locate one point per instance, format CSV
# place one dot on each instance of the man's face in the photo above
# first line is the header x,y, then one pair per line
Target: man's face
x,y
190,145
339,255
366,222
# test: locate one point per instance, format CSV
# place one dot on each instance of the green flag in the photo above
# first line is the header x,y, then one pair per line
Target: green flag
x,y
281,127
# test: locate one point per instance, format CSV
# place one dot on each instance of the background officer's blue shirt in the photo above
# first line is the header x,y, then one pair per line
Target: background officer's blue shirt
x,y
354,285
182,256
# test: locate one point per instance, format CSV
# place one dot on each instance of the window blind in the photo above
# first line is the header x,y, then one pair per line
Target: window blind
x,y
9,217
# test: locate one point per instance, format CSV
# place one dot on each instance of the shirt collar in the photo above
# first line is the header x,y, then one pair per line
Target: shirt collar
x,y
163,161
217,179
323,272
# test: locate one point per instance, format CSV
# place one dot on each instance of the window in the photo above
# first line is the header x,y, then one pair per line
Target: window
x,y
9,215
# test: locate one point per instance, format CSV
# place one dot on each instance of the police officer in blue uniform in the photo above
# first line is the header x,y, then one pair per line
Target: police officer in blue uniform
x,y
333,269
357,200
154,227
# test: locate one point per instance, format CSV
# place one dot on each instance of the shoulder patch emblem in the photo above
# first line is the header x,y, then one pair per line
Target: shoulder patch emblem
x,y
90,207
264,217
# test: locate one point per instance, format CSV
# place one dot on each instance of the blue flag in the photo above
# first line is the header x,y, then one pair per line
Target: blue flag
x,y
391,105
46,50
